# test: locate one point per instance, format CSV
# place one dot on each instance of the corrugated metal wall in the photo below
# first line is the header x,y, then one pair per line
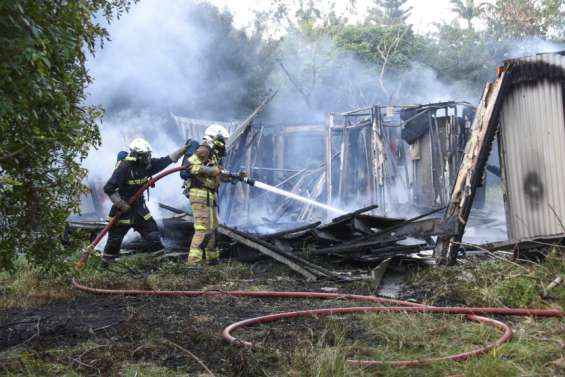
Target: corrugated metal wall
x,y
533,153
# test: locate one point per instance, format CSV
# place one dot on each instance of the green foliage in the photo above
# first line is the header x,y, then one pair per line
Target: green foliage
x,y
467,10
523,18
459,55
389,12
46,128
379,45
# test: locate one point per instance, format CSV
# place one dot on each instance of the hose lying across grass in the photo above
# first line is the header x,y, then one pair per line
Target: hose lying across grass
x,y
399,306
472,314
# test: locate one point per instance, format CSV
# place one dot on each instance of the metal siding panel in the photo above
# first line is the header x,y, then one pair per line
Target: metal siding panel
x,y
533,132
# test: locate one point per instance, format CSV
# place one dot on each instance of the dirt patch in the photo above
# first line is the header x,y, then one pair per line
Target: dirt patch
x,y
97,335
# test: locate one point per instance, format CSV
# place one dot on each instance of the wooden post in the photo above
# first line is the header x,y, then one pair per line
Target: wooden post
x,y
472,167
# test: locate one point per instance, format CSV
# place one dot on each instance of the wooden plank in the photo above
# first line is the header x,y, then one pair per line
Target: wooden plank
x,y
322,235
357,247
290,232
247,122
472,167
361,226
349,216
328,155
379,272
236,236
405,229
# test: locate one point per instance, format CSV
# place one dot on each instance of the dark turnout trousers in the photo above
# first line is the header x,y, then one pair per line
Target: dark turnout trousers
x,y
145,225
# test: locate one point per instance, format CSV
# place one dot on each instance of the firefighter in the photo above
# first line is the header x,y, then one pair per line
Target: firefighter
x,y
204,176
129,175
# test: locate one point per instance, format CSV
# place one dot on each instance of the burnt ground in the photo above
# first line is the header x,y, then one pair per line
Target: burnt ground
x,y
96,335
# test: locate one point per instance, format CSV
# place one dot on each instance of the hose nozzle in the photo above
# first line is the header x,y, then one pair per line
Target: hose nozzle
x,y
249,181
242,177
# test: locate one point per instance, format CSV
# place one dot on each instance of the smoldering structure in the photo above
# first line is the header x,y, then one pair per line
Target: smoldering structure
x,y
386,163
525,106
402,158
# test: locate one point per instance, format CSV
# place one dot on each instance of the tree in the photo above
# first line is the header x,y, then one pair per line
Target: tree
x,y
460,55
515,19
46,128
466,10
389,12
389,49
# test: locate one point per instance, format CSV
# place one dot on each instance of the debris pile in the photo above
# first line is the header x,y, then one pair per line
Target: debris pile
x,y
354,237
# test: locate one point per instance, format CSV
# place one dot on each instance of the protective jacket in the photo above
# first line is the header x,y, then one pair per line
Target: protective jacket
x,y
201,188
203,158
128,177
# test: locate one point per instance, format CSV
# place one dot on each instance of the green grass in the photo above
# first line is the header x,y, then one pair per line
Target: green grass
x,y
536,344
28,286
494,283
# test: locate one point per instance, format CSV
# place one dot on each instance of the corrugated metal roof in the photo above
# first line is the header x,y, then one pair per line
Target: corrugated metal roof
x,y
194,128
533,147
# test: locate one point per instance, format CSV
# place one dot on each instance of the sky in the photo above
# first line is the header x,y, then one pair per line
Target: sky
x,y
424,12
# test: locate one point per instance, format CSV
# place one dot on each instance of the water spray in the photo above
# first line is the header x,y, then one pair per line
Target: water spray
x,y
276,190
302,199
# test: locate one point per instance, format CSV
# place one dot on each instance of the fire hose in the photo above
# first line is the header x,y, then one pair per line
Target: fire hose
x,y
90,249
472,313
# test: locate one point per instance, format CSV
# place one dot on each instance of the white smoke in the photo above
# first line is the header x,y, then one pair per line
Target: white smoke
x,y
163,58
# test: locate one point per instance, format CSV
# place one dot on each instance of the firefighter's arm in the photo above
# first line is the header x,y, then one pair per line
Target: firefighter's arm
x,y
198,164
158,164
111,187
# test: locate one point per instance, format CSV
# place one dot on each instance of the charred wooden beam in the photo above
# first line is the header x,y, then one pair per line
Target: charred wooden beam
x,y
288,232
247,122
351,215
472,167
357,247
173,209
361,226
525,244
255,244
321,235
404,228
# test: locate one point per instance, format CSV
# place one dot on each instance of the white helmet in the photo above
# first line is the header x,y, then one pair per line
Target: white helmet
x,y
140,146
215,131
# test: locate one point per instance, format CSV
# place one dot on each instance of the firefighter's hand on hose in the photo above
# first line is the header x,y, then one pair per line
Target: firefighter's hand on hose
x,y
211,171
242,175
121,204
176,155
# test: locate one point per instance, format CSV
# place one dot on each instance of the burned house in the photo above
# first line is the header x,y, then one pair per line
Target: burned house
x,y
399,157
290,157
437,135
402,158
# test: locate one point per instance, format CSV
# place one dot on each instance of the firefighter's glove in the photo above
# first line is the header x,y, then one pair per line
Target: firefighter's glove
x,y
211,171
242,175
121,204
176,155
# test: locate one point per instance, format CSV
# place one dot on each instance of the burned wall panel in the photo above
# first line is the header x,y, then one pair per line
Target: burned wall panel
x,y
533,147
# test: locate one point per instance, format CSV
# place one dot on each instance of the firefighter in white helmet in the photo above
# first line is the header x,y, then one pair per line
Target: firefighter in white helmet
x,y
129,175
201,187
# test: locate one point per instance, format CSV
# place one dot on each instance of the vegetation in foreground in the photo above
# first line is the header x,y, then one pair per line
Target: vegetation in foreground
x,y
302,347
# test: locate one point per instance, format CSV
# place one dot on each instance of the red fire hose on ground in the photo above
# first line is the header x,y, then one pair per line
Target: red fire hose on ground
x,y
399,306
